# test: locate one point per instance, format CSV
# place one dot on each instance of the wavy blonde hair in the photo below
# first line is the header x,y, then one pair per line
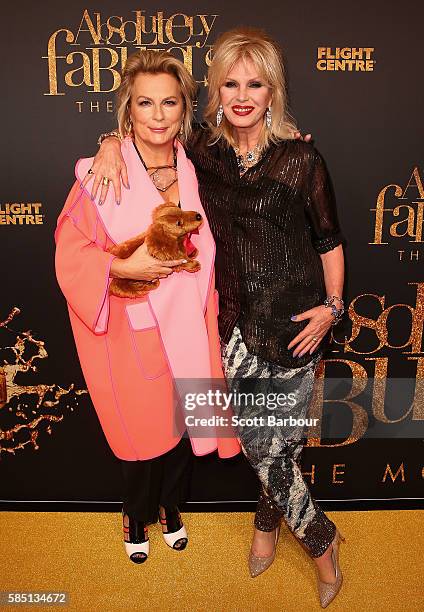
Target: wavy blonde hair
x,y
249,44
154,62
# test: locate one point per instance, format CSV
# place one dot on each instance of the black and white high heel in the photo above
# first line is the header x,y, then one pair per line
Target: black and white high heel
x,y
176,534
136,539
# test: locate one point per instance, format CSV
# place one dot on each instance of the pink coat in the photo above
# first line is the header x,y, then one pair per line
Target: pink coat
x,y
136,353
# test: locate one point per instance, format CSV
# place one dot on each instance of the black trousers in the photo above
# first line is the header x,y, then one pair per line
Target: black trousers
x,y
162,481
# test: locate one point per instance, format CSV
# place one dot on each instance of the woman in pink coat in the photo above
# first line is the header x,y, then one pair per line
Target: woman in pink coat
x,y
135,352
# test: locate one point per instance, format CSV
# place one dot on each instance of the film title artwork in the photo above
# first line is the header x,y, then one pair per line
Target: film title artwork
x,y
92,54
399,214
382,324
27,411
376,368
339,473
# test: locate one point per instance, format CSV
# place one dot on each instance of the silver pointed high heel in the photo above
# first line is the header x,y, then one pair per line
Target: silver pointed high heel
x,y
327,591
257,565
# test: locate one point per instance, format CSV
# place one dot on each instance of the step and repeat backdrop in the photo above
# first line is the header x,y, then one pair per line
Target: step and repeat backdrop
x,y
355,83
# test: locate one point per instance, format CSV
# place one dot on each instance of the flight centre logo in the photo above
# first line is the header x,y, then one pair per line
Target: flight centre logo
x,y
20,213
345,59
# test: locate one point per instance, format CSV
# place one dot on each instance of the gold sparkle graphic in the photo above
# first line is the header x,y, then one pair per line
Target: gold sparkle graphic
x,y
26,411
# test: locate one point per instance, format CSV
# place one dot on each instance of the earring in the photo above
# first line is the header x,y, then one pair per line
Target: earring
x,y
219,115
268,117
181,132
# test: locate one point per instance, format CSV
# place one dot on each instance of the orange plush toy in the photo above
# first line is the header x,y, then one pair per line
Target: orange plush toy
x,y
166,238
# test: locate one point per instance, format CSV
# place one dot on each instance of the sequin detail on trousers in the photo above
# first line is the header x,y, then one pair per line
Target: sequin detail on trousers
x,y
272,446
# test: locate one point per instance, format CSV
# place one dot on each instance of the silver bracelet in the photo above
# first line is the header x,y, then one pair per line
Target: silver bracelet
x,y
336,312
330,299
103,137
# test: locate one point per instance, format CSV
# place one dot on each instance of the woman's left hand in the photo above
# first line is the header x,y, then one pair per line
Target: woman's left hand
x,y
320,320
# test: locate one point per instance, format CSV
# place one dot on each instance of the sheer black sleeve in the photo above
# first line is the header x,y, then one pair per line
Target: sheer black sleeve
x,y
321,208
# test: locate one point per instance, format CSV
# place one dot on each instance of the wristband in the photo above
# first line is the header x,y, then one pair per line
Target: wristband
x,y
331,299
103,137
336,312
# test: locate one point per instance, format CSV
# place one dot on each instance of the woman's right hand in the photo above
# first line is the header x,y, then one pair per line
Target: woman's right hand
x,y
142,266
299,136
108,163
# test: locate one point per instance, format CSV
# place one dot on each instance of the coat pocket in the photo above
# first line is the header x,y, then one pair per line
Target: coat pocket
x,y
140,316
147,343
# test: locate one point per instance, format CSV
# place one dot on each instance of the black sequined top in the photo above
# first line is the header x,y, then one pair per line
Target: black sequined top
x,y
269,225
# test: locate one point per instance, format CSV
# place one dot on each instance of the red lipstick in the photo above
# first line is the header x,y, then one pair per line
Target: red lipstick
x,y
241,111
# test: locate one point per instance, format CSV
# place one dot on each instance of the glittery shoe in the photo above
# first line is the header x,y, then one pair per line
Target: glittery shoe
x,y
136,540
257,565
328,591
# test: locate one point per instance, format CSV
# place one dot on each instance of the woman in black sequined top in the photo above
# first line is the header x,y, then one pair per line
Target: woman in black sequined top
x,y
273,226
279,274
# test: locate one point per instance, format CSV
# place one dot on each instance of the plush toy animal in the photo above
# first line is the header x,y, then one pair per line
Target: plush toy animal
x,y
166,238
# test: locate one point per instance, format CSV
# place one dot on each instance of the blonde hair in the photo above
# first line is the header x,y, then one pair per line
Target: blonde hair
x,y
252,44
154,62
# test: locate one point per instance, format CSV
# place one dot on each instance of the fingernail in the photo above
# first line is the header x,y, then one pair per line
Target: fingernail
x,y
92,198
100,203
118,202
293,318
301,353
128,186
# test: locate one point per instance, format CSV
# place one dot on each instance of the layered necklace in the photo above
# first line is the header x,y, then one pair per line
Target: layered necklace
x,y
249,159
163,177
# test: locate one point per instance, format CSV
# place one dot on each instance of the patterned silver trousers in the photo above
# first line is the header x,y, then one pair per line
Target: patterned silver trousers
x,y
272,442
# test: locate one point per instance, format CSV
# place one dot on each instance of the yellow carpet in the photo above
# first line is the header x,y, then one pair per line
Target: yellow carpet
x,y
82,553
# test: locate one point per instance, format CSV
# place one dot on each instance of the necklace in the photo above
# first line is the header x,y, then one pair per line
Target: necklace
x,y
249,159
163,177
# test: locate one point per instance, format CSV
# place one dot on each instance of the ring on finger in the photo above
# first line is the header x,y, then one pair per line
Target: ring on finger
x,y
105,181
314,339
